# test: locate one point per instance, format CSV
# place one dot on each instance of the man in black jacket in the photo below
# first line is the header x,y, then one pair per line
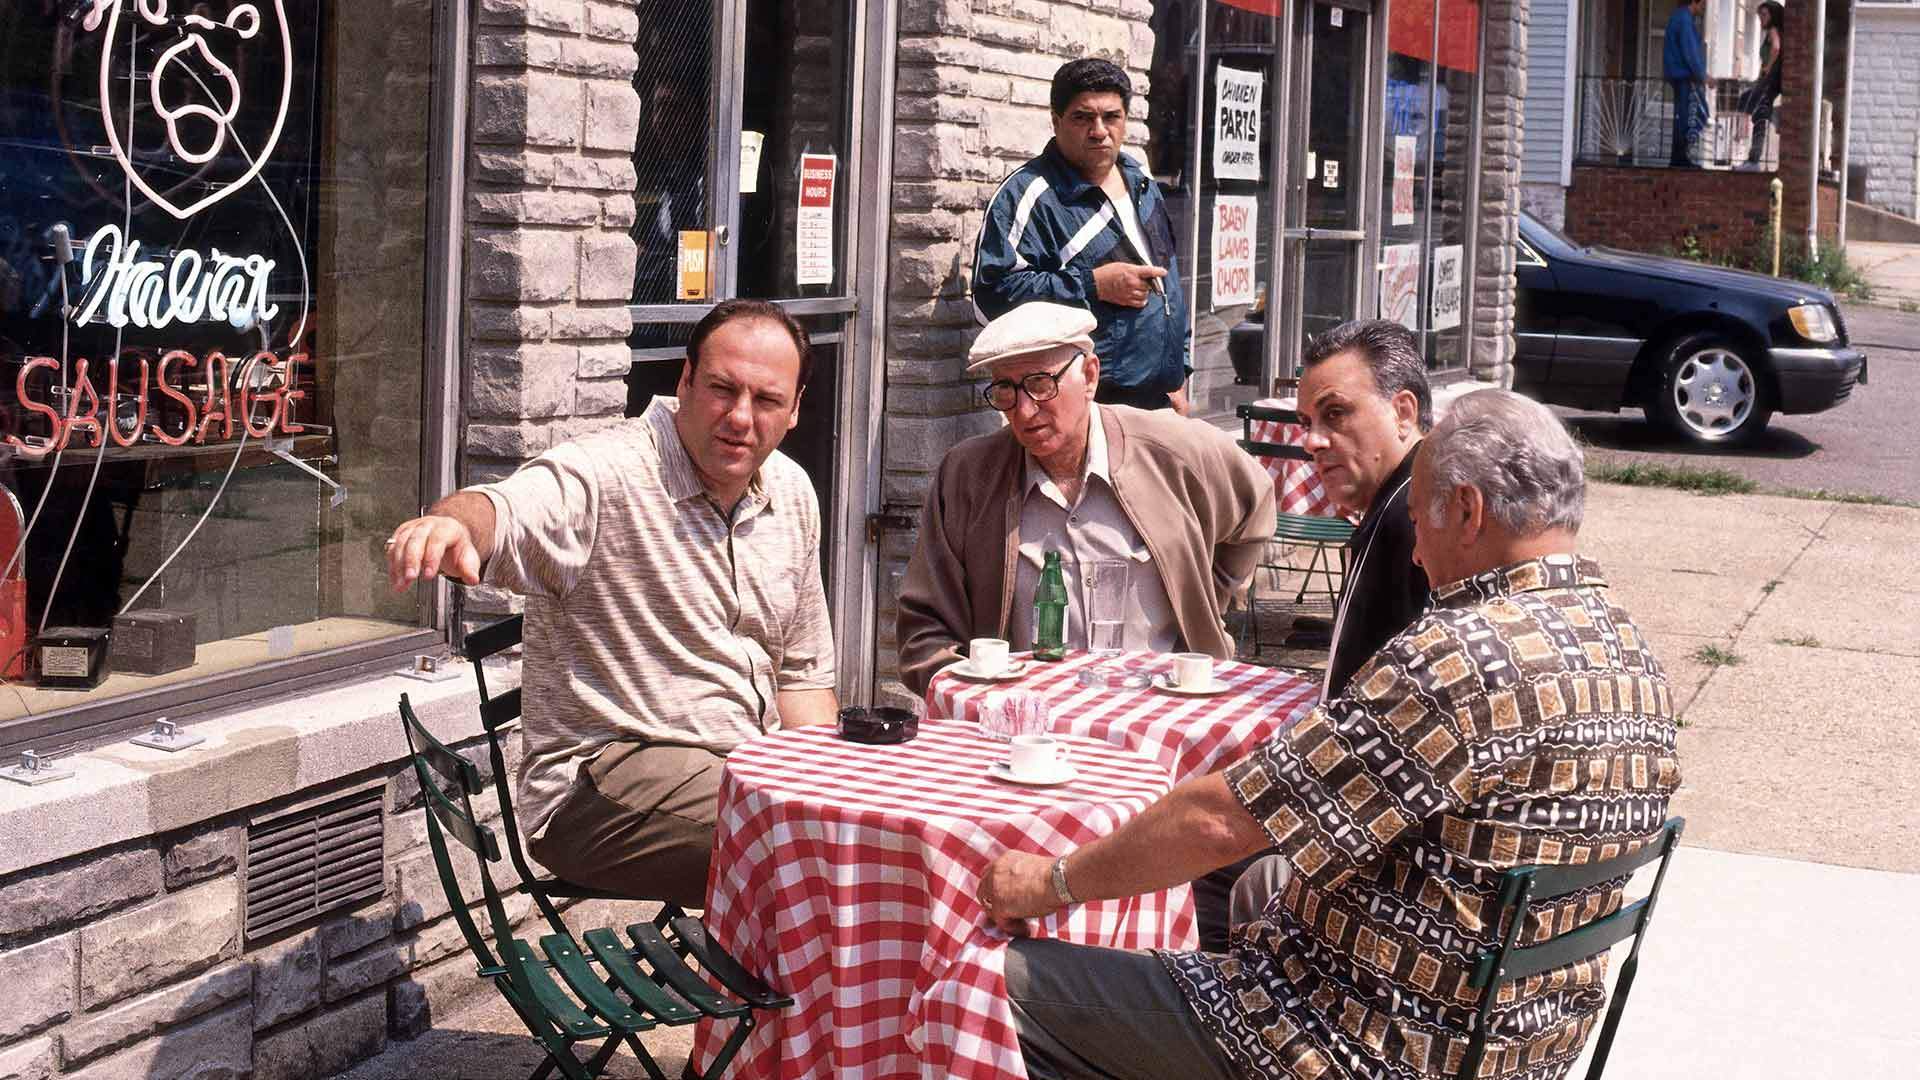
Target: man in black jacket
x,y
1365,403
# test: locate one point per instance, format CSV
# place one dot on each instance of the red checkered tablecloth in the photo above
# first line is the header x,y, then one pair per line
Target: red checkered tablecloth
x,y
1296,483
1191,736
847,874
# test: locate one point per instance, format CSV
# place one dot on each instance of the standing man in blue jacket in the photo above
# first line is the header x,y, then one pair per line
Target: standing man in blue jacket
x,y
1084,225
1686,69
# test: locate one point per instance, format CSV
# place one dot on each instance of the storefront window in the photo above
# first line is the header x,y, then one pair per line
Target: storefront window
x,y
212,335
1433,60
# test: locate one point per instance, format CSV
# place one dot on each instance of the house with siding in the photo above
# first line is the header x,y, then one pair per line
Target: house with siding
x,y
1599,113
1886,99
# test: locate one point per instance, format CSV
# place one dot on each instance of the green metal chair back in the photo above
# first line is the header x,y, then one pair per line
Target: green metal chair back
x,y
666,943
1326,536
555,1018
1525,886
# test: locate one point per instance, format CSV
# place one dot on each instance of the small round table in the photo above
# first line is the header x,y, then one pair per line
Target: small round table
x,y
847,875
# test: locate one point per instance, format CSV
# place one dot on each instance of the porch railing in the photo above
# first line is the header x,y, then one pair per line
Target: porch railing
x,y
1622,121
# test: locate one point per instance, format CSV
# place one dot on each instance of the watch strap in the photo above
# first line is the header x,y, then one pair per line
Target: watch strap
x,y
1059,876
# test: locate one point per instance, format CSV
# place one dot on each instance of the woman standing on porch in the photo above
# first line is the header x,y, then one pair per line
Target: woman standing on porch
x,y
1757,100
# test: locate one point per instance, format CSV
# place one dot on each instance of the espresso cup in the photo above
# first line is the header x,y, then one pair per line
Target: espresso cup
x,y
1035,757
1192,670
987,655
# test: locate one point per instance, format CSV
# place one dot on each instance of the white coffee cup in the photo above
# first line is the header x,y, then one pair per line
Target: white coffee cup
x,y
987,655
1192,670
1035,757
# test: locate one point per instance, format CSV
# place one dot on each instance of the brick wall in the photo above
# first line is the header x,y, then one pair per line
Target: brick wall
x,y
1652,210
1886,90
130,960
970,107
1794,112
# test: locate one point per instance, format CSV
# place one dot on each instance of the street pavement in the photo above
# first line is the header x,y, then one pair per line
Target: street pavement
x,y
1869,445
1787,932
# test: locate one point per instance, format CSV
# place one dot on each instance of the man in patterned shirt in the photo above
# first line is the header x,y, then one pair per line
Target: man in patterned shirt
x,y
1521,720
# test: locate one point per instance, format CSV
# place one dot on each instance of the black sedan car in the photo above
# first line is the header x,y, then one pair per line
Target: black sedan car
x,y
1710,352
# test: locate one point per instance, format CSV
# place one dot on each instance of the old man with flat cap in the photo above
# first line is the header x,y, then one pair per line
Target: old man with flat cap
x,y
1176,498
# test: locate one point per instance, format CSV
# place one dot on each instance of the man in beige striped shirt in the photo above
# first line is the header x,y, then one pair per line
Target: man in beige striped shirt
x,y
671,566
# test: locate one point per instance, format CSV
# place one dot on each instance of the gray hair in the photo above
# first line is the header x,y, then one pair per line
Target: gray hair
x,y
1390,352
1517,454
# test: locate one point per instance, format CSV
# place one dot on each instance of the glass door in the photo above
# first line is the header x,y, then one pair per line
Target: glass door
x,y
748,157
1326,205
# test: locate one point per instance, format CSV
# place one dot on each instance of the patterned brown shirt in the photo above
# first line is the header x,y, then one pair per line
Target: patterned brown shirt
x,y
1520,720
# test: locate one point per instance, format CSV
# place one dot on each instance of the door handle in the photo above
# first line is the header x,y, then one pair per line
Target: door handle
x,y
722,234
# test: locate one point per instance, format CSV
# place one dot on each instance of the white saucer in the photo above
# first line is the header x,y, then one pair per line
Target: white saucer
x,y
1164,682
1012,671
1000,771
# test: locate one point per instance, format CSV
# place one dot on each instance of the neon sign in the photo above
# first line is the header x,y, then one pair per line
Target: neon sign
x,y
225,400
244,22
147,293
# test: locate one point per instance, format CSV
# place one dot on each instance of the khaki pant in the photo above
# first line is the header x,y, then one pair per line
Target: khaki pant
x,y
639,820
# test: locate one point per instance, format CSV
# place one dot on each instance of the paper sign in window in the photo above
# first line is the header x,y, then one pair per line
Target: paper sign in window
x,y
1404,148
1234,219
1400,284
1236,130
813,228
693,265
1446,287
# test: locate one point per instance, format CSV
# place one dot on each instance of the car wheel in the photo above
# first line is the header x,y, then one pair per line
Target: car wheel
x,y
1711,392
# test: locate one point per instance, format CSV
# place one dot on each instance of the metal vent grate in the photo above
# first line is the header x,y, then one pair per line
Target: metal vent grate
x,y
315,860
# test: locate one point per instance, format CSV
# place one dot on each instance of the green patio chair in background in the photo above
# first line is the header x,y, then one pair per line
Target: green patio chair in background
x,y
602,994
1325,538
1524,886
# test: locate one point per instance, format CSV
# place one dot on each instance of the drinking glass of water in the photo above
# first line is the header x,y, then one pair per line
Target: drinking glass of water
x,y
1109,596
1109,588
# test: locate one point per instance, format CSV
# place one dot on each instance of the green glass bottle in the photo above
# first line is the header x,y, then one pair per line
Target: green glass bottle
x,y
1050,611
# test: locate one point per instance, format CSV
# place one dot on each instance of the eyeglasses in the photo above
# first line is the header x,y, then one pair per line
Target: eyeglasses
x,y
1004,394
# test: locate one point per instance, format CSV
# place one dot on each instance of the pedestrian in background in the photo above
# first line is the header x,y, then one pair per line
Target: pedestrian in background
x,y
1686,69
1757,100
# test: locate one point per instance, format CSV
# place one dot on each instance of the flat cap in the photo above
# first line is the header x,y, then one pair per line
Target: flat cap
x,y
1030,328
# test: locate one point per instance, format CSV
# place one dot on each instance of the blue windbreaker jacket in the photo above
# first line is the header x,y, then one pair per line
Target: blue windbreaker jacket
x,y
1045,232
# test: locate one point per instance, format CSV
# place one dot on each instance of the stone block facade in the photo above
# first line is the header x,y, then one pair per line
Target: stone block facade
x,y
131,961
1886,89
550,261
1502,130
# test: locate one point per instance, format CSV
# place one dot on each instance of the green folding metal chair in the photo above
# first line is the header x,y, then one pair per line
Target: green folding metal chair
x,y
673,931
603,995
1525,886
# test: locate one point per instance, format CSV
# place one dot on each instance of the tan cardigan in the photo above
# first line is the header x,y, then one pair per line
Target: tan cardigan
x,y
1202,505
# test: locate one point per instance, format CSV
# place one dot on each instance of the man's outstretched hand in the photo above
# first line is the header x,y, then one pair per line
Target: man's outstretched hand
x,y
431,545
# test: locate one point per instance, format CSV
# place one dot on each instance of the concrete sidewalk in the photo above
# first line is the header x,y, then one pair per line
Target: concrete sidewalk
x,y
1789,926
1893,270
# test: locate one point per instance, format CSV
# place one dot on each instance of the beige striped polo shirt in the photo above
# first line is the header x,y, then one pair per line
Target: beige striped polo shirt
x,y
651,615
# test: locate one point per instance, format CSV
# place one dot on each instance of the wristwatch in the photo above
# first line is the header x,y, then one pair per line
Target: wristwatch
x,y
1060,882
